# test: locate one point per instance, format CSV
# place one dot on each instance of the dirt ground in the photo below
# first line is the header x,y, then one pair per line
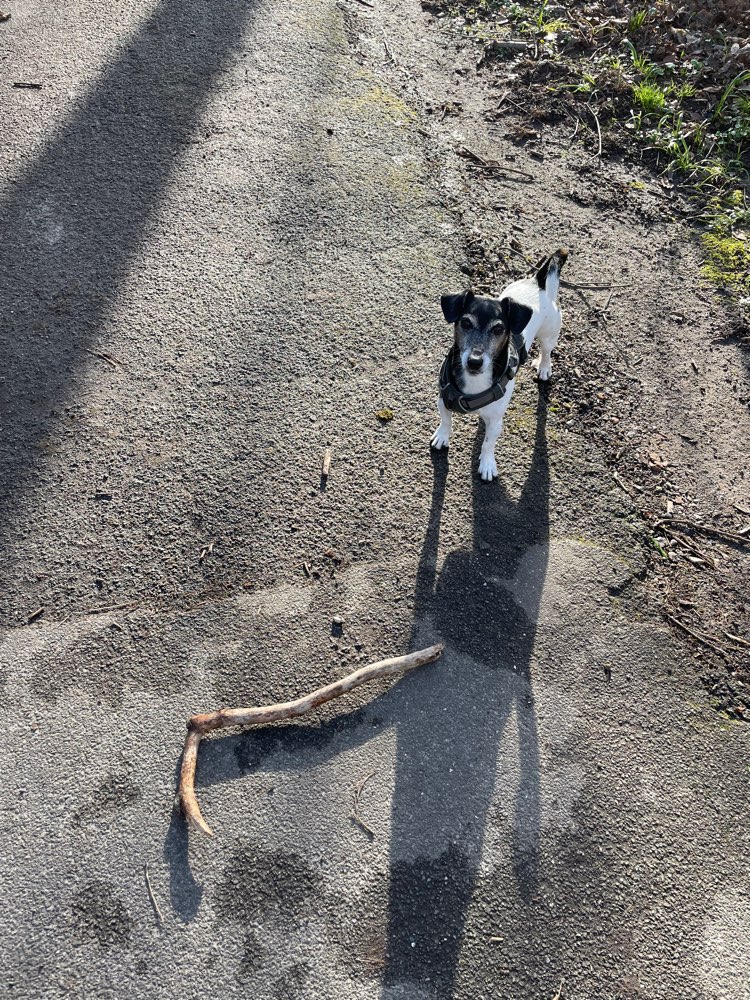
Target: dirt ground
x,y
224,232
642,385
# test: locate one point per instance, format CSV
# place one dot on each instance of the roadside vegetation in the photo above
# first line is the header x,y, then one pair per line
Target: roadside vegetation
x,y
665,82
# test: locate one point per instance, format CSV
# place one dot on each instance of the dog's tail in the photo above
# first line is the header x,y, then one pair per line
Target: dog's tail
x,y
548,273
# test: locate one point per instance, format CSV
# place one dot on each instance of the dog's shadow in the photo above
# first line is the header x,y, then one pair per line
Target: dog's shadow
x,y
449,739
449,721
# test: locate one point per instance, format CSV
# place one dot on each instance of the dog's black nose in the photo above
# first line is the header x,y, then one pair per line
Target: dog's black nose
x,y
475,361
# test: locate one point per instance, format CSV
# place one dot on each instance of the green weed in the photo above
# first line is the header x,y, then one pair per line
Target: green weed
x,y
741,78
586,85
641,64
650,97
636,21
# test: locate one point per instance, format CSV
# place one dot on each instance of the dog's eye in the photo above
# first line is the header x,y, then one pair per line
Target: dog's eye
x,y
466,323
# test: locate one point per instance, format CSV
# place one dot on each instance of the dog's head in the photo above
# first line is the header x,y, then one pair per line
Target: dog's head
x,y
482,329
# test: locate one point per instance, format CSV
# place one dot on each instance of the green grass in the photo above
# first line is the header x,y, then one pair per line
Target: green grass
x,y
699,136
649,97
741,78
641,64
636,21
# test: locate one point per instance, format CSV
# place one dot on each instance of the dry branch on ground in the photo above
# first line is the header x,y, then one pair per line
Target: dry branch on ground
x,y
200,725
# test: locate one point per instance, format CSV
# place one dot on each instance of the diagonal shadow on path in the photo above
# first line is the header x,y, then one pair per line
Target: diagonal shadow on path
x,y
71,227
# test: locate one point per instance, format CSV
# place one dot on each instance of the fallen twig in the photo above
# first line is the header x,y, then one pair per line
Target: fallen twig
x,y
624,486
207,550
152,897
516,44
105,357
515,247
35,616
22,85
558,995
199,725
696,635
105,608
480,161
691,546
707,529
326,464
598,129
358,789
588,288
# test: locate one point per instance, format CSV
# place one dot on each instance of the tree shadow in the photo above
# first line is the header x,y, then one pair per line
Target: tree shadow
x,y
72,225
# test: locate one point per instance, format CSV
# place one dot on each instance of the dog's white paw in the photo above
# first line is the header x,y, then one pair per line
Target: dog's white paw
x,y
488,468
440,439
543,371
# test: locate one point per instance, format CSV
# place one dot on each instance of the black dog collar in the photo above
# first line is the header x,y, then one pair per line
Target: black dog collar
x,y
455,399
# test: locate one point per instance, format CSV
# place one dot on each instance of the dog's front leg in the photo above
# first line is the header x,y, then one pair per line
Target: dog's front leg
x,y
487,464
441,437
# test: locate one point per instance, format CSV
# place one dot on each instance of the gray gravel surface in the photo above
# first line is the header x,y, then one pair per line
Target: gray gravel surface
x,y
224,230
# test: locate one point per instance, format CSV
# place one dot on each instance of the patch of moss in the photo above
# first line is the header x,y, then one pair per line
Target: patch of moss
x,y
727,261
735,198
382,101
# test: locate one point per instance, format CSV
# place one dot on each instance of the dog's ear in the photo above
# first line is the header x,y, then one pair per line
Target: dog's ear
x,y
454,305
505,313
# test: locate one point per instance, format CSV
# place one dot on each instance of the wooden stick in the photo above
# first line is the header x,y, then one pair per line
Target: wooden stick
x,y
105,357
707,529
152,897
696,635
199,725
326,463
690,545
598,129
588,288
469,154
355,817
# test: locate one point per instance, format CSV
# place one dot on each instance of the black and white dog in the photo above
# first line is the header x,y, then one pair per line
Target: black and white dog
x,y
493,337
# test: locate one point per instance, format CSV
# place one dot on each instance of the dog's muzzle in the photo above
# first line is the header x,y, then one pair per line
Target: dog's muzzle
x,y
475,361
468,402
